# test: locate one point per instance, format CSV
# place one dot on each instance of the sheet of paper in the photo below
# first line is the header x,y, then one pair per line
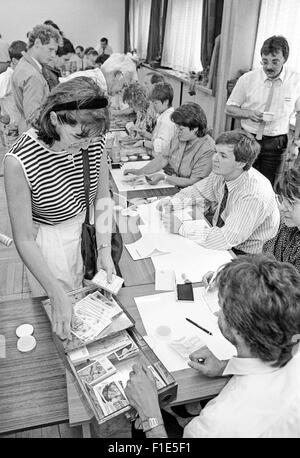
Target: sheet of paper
x,y
120,179
164,319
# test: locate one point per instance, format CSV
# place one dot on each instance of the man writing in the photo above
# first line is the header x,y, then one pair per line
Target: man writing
x,y
246,214
262,399
29,85
275,90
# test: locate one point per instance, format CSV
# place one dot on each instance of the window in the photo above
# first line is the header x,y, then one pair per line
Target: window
x,y
139,19
182,43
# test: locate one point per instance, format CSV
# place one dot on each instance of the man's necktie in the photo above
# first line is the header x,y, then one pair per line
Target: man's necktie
x,y
220,222
262,125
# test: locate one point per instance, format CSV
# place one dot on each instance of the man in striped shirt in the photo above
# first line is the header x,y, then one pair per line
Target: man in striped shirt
x,y
246,214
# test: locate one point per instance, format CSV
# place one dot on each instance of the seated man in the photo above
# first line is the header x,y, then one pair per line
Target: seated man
x,y
162,98
247,213
189,158
262,399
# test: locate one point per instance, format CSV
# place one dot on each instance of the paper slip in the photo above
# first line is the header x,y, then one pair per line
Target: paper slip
x,y
100,279
165,280
79,355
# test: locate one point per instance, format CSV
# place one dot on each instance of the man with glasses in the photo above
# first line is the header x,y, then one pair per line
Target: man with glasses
x,y
264,100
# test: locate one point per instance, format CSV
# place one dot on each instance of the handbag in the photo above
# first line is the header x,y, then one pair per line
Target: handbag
x,y
88,233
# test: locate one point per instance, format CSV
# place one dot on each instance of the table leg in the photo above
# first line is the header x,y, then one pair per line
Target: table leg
x,y
86,430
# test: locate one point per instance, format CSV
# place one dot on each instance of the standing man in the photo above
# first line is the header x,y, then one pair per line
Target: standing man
x,y
29,85
274,89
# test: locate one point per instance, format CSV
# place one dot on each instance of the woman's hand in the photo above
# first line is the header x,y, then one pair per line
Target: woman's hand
x,y
142,392
105,262
154,179
62,310
138,144
132,171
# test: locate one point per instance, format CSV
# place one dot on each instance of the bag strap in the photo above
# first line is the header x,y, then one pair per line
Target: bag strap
x,y
86,180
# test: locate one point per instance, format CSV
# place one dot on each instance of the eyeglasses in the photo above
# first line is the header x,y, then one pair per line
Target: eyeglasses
x,y
274,63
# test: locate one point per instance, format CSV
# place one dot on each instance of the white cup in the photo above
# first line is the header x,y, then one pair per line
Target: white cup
x,y
268,116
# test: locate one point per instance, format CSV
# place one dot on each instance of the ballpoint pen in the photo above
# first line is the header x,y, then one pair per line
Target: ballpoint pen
x,y
198,326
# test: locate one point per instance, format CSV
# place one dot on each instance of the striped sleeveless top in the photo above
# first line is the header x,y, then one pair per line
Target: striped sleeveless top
x,y
56,178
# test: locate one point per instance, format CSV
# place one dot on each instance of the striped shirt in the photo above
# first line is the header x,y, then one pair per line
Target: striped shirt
x,y
252,90
56,178
251,214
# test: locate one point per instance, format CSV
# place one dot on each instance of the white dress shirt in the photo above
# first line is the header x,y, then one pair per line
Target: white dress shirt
x,y
251,93
259,401
163,132
251,214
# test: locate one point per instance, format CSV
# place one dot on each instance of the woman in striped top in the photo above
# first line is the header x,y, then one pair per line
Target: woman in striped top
x,y
45,192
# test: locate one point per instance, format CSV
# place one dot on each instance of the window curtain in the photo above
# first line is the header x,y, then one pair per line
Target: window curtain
x,y
279,17
139,20
157,29
211,28
182,42
127,45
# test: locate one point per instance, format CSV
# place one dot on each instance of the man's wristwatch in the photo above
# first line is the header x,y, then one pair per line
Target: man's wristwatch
x,y
151,423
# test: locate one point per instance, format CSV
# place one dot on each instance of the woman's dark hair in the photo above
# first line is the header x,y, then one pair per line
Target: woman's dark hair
x,y
191,115
246,148
82,90
260,299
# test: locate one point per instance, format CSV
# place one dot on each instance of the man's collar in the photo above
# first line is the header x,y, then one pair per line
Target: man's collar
x,y
231,184
248,366
32,61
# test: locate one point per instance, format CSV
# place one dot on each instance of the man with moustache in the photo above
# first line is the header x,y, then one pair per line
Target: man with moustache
x,y
274,89
246,212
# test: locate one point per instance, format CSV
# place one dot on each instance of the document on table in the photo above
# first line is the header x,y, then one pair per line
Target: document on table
x,y
124,183
172,337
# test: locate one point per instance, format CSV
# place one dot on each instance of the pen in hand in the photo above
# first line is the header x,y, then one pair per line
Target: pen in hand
x,y
198,326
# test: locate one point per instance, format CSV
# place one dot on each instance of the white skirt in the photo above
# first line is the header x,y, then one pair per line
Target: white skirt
x,y
61,249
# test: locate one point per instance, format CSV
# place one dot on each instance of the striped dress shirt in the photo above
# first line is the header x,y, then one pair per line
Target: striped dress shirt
x,y
251,215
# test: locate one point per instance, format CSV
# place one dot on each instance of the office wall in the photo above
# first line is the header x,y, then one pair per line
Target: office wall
x,y
82,21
